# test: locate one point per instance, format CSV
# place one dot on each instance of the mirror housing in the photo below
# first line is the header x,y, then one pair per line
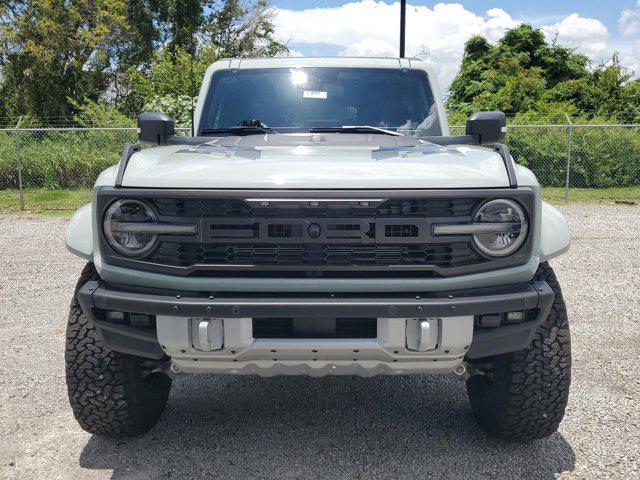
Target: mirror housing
x,y
155,127
487,127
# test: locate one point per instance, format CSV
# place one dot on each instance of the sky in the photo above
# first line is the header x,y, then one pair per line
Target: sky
x,y
437,31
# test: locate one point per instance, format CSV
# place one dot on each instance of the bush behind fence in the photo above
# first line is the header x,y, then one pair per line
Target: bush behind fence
x,y
598,155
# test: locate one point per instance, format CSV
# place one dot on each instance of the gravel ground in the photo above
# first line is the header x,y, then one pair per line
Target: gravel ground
x,y
301,428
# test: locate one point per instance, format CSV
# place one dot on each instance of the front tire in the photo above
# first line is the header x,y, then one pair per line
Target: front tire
x,y
524,395
111,393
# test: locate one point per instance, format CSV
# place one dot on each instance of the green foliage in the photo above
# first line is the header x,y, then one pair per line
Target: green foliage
x,y
53,50
523,73
90,114
56,55
177,107
170,84
170,74
601,157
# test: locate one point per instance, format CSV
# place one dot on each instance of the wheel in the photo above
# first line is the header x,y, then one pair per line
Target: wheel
x,y
524,394
110,393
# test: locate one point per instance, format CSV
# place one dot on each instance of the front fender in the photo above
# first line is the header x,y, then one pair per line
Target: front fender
x,y
555,236
80,233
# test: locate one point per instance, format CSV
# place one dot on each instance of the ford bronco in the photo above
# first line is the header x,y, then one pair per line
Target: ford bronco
x,y
319,220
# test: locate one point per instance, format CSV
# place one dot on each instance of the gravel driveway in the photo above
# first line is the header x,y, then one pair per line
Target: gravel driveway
x,y
343,428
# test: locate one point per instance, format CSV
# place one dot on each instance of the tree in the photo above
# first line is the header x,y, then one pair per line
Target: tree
x,y
56,55
239,30
53,50
171,82
524,73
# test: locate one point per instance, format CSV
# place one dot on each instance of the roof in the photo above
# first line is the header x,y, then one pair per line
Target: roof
x,y
294,62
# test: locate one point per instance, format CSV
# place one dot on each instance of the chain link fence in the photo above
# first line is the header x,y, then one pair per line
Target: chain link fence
x,y
563,156
577,156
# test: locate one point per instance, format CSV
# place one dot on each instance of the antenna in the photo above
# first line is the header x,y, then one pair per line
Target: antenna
x,y
193,133
191,79
403,25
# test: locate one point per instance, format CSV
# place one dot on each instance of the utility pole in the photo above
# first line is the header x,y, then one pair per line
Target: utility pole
x,y
403,25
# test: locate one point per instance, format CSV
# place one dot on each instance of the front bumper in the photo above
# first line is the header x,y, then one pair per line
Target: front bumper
x,y
459,337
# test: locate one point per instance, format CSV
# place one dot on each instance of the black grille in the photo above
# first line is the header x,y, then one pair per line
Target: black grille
x,y
216,207
315,255
247,234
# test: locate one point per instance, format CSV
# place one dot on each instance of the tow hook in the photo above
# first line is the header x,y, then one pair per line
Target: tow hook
x,y
461,373
170,369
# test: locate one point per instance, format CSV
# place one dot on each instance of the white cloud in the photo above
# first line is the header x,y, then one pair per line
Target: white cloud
x,y
370,47
586,35
629,48
629,21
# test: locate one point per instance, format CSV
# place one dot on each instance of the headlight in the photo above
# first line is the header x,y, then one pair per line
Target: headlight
x,y
129,227
505,227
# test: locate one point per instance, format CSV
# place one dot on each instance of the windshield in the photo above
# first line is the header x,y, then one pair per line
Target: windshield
x,y
300,99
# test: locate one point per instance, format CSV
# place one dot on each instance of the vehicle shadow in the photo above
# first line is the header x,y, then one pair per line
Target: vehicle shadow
x,y
334,427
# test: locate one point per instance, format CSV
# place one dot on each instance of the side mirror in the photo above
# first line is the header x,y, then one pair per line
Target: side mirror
x,y
487,127
155,127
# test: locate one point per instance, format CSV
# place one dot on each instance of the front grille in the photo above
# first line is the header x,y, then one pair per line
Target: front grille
x,y
295,236
315,255
363,234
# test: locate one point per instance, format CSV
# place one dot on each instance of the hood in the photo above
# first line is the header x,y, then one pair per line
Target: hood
x,y
316,161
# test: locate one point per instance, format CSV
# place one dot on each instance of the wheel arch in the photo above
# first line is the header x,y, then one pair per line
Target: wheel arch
x,y
555,236
79,239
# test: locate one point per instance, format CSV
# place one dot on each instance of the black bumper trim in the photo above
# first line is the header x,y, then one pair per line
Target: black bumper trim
x,y
107,298
486,342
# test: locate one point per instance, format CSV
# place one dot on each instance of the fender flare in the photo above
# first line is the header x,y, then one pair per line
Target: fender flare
x,y
555,236
79,237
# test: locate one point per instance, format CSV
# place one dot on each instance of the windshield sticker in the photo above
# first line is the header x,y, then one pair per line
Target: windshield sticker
x,y
315,94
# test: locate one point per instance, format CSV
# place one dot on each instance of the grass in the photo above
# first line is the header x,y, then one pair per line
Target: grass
x,y
44,202
593,195
65,202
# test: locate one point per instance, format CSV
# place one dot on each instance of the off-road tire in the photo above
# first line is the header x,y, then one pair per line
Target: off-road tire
x,y
524,395
110,393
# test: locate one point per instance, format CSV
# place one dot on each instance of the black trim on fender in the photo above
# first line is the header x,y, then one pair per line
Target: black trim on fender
x,y
504,152
129,150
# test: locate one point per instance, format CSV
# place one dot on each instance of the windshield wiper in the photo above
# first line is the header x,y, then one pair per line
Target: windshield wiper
x,y
238,130
354,129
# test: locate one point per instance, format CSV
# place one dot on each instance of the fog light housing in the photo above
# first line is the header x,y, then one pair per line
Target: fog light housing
x,y
491,320
515,317
141,320
116,317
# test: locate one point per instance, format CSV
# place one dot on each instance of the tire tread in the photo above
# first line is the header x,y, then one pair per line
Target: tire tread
x,y
530,391
106,389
